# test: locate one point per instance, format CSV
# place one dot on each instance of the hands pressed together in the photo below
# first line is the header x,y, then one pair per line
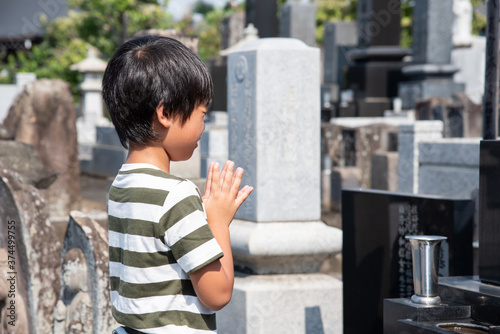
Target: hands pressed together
x,y
223,195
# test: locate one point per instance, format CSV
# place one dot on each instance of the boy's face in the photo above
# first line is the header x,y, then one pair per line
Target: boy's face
x,y
181,140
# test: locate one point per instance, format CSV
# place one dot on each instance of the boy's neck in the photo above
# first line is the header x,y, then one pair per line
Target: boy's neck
x,y
153,155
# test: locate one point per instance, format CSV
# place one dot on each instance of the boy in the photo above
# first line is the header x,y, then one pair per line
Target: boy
x,y
170,256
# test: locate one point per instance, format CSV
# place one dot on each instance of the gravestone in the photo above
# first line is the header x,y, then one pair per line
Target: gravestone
x,y
298,20
231,29
214,141
278,241
489,212
338,39
44,116
218,68
84,300
376,256
471,303
430,73
34,249
410,135
263,14
375,71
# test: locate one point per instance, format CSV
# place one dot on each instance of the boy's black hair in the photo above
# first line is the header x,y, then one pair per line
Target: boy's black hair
x,y
146,71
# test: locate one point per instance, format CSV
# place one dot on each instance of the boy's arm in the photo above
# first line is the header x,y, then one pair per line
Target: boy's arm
x,y
214,282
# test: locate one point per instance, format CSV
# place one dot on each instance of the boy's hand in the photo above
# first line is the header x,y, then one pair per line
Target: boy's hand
x,y
222,196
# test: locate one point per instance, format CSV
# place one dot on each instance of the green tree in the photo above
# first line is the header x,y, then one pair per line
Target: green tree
x,y
208,29
103,24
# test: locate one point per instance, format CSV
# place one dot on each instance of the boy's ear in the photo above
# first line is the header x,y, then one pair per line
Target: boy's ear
x,y
161,117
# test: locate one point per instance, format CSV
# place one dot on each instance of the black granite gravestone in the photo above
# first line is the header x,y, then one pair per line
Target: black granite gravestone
x,y
430,72
379,22
489,212
376,257
375,71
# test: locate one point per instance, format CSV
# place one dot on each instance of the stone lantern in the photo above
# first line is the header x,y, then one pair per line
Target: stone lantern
x,y
92,106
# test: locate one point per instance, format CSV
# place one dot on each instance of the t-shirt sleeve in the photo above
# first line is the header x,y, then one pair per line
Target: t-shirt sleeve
x,y
187,233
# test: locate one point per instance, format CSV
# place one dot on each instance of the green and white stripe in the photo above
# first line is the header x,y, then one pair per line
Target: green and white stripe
x,y
158,235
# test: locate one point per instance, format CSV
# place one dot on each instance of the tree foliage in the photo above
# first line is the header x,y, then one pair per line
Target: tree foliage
x,y
333,10
103,24
208,30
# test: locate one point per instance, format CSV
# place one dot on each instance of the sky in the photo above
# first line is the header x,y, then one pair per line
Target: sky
x,y
179,7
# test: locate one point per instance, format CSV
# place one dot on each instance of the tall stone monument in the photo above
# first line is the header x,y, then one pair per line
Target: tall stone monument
x,y
375,72
277,238
430,73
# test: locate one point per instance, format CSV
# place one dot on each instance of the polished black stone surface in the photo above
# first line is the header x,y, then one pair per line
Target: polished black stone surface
x,y
376,257
403,309
468,306
483,298
489,211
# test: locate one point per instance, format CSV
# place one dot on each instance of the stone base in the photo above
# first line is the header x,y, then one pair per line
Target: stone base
x,y
299,303
411,91
283,247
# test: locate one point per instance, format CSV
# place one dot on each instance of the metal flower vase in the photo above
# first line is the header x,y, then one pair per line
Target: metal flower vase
x,y
425,251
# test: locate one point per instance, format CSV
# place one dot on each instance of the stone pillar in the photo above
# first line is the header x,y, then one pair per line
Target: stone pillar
x,y
339,38
410,135
431,73
274,134
92,104
298,20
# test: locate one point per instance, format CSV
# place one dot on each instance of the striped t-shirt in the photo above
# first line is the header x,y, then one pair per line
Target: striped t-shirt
x,y
158,236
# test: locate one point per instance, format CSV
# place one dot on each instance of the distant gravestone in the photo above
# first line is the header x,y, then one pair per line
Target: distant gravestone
x,y
375,71
378,22
339,38
376,260
430,73
298,20
432,31
231,30
44,116
264,16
